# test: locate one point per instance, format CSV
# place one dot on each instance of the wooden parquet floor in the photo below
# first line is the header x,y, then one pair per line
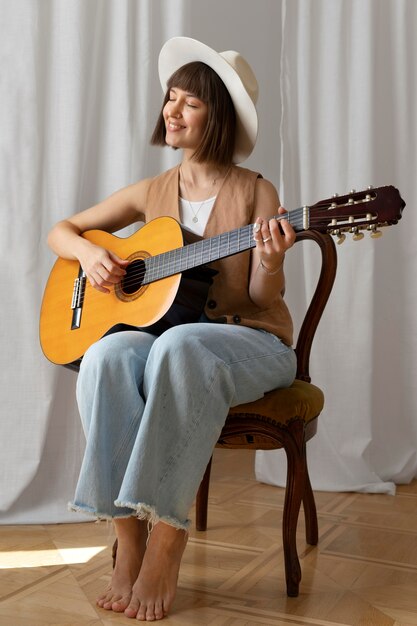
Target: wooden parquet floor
x,y
363,572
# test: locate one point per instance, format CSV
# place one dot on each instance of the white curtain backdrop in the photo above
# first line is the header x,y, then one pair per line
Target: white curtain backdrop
x,y
348,84
79,95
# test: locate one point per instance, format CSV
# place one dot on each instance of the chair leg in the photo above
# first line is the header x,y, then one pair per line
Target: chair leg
x,y
201,505
310,511
295,449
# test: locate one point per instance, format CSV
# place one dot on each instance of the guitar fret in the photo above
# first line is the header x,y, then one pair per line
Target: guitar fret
x,y
217,249
171,260
177,260
199,255
189,260
206,249
223,243
234,241
193,255
164,263
152,263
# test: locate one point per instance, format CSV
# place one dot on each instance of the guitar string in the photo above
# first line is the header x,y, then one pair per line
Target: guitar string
x,y
152,265
190,250
224,243
153,269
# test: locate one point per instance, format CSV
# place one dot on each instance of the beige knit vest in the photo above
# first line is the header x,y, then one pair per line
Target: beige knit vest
x,y
228,299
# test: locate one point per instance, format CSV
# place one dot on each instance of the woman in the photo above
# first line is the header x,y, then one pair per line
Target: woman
x,y
153,407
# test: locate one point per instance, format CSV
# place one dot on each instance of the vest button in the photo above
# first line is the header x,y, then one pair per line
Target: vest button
x,y
211,304
237,319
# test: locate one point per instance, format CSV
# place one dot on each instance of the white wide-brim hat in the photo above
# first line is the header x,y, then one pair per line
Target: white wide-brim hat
x,y
235,73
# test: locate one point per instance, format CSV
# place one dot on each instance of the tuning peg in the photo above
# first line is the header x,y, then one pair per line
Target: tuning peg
x,y
375,233
340,238
357,236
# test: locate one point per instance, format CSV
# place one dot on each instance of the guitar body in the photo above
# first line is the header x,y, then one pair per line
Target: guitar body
x,y
155,306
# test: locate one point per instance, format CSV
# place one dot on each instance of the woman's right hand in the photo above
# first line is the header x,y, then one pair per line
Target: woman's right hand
x,y
103,268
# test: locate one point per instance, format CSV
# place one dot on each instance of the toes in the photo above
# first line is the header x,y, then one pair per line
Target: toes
x,y
148,613
151,612
104,600
114,602
108,604
121,604
145,613
132,609
101,600
159,610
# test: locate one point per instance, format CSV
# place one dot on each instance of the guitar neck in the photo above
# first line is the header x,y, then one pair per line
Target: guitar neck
x,y
212,249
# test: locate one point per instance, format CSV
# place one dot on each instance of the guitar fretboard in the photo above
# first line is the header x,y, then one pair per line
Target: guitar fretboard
x,y
211,249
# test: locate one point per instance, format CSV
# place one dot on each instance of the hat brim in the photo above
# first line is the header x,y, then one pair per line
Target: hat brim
x,y
179,51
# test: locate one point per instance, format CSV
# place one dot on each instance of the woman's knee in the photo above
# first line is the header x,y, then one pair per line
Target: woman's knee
x,y
176,342
113,353
104,350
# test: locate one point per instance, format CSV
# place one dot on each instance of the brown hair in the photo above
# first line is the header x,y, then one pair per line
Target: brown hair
x,y
218,142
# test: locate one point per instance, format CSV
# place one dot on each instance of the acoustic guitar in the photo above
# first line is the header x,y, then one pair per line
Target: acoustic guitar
x,y
167,279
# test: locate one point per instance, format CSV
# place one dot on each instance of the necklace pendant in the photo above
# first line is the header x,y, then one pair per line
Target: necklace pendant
x,y
195,219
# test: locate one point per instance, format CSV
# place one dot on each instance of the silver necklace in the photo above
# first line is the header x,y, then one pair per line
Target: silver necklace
x,y
195,213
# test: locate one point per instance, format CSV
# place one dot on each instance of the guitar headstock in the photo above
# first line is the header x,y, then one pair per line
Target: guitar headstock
x,y
357,211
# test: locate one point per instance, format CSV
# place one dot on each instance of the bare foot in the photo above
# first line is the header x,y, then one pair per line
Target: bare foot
x,y
155,587
131,545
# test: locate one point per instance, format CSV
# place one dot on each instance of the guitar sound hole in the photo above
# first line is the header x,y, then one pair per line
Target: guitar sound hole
x,y
135,273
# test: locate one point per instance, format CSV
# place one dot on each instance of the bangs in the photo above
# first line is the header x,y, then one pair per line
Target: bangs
x,y
196,78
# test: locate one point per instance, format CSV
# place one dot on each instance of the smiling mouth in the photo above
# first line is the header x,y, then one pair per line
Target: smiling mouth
x,y
174,127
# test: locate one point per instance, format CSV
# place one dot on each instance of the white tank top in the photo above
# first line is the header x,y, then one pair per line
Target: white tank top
x,y
194,215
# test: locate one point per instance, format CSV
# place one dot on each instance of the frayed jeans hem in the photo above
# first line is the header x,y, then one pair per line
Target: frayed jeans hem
x,y
147,512
86,510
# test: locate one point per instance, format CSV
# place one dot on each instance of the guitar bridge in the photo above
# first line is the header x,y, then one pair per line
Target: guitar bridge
x,y
78,299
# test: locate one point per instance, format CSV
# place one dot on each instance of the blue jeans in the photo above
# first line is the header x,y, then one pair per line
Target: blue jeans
x,y
153,408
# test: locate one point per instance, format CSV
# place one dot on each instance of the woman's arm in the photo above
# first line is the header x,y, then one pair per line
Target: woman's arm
x,y
102,267
267,276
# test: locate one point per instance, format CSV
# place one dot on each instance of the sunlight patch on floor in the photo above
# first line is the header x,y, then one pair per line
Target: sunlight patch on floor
x,y
54,556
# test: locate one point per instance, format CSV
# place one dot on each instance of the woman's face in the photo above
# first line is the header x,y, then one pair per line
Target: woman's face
x,y
185,118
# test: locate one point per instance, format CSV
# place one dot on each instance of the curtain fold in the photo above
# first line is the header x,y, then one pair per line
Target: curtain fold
x,y
348,120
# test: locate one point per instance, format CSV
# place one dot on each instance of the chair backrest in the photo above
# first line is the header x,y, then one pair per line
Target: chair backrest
x,y
319,300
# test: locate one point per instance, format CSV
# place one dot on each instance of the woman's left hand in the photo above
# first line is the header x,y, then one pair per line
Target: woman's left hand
x,y
273,239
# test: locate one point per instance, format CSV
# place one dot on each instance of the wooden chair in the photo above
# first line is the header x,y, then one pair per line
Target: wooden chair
x,y
286,418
